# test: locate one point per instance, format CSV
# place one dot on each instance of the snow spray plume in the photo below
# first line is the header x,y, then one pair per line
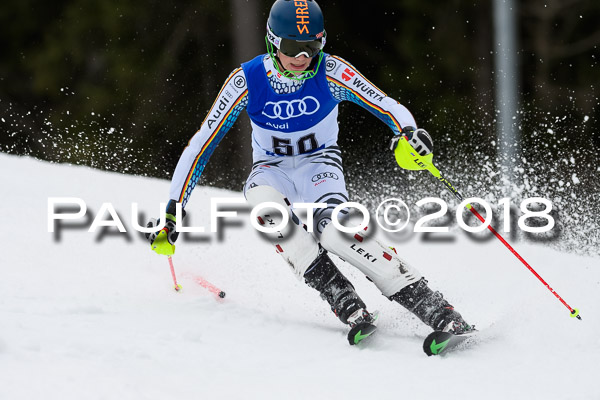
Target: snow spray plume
x,y
407,158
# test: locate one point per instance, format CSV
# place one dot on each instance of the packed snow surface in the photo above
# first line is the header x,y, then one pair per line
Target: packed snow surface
x,y
94,316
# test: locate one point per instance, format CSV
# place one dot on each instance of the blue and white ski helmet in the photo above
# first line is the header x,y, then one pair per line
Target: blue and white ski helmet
x,y
296,20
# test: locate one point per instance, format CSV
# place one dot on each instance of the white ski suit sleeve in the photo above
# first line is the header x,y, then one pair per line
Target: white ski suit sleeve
x,y
347,84
230,102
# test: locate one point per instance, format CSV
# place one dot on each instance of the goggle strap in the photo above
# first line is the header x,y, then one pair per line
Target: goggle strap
x,y
272,37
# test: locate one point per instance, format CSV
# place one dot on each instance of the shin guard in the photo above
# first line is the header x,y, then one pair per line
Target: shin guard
x,y
379,263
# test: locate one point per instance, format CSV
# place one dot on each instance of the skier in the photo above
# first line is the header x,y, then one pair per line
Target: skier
x,y
291,95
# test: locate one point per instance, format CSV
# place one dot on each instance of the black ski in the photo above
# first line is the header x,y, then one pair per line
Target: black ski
x,y
360,332
363,330
438,342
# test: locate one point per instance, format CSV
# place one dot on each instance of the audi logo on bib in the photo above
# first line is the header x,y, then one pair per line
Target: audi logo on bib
x,y
324,175
285,109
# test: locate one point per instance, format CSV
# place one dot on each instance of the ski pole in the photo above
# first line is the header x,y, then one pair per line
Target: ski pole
x,y
177,286
208,286
198,279
574,312
406,158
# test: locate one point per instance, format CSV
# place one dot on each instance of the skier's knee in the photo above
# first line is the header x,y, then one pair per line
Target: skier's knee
x,y
292,241
264,193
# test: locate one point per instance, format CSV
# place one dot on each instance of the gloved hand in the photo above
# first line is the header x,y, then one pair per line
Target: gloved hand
x,y
419,139
163,241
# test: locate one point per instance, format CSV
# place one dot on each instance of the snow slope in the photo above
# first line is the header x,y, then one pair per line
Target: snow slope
x,y
96,317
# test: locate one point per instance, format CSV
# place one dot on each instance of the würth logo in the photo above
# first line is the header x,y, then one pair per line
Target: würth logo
x,y
346,77
302,18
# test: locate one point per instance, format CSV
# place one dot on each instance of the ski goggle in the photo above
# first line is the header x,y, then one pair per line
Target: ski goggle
x,y
295,48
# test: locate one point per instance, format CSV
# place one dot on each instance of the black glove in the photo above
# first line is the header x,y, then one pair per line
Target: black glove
x,y
419,139
163,241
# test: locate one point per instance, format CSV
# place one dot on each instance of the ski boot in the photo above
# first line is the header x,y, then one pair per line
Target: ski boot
x,y
458,327
362,324
337,290
431,308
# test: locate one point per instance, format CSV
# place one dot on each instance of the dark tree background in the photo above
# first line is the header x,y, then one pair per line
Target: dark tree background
x,y
122,86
